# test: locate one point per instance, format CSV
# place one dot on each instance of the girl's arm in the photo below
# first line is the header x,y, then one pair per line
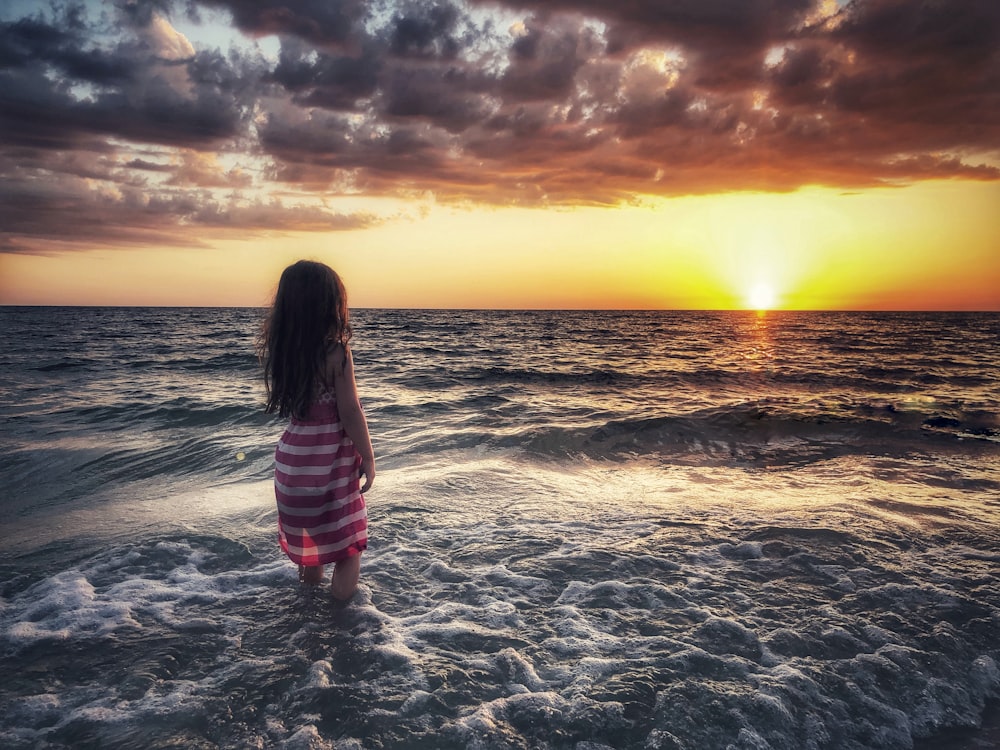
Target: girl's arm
x,y
341,366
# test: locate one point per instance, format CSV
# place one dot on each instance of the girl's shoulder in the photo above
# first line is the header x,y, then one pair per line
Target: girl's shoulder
x,y
338,358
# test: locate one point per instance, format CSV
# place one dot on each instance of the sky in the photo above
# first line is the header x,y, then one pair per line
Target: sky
x,y
654,154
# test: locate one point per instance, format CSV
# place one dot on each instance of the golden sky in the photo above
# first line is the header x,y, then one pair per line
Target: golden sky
x,y
728,154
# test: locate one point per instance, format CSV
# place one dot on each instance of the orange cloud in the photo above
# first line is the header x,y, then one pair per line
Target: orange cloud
x,y
137,134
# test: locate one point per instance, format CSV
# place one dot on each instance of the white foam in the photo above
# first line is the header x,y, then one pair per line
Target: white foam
x,y
320,674
309,738
63,607
415,703
525,617
491,717
68,605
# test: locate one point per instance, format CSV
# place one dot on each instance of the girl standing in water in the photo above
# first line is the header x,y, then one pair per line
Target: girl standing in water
x,y
326,448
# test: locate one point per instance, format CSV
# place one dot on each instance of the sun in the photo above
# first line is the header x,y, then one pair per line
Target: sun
x,y
761,297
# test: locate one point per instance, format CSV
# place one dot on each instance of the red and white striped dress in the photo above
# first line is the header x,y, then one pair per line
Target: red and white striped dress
x,y
322,516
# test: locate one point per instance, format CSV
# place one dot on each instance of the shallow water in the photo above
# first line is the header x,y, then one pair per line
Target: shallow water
x,y
626,530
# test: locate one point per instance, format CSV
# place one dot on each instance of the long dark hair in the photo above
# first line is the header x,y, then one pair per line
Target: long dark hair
x,y
309,315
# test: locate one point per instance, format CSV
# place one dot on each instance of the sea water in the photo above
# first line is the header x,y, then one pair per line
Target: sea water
x,y
589,530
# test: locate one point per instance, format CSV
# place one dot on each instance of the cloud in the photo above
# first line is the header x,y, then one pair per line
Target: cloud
x,y
325,23
44,216
166,41
199,169
329,82
59,86
534,102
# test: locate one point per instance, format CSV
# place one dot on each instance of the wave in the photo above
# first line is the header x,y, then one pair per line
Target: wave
x,y
659,377
144,414
93,446
174,393
64,364
761,435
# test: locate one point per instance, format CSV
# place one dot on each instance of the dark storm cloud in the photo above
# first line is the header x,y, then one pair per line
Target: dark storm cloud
x,y
448,101
726,39
514,101
42,216
124,91
545,62
321,22
328,81
28,41
775,92
936,65
429,33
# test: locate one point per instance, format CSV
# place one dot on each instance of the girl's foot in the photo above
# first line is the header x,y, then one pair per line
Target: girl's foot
x,y
311,574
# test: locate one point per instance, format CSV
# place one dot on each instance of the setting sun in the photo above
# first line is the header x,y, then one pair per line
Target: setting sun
x,y
761,297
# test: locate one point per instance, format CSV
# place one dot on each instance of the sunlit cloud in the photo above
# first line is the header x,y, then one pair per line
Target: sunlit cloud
x,y
545,103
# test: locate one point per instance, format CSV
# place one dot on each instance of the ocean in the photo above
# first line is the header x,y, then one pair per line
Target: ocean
x,y
589,530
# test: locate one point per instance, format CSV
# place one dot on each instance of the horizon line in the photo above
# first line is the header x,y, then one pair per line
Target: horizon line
x,y
530,309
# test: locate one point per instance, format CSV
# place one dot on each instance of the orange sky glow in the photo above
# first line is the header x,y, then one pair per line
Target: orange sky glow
x,y
792,155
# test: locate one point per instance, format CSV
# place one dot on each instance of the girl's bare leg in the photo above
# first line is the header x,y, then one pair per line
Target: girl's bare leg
x,y
344,581
311,574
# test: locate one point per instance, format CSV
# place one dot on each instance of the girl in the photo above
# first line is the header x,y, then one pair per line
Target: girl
x,y
319,461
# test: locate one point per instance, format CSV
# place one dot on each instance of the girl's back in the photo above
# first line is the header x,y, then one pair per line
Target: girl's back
x,y
326,448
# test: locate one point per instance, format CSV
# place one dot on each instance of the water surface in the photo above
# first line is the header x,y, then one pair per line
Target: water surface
x,y
626,530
